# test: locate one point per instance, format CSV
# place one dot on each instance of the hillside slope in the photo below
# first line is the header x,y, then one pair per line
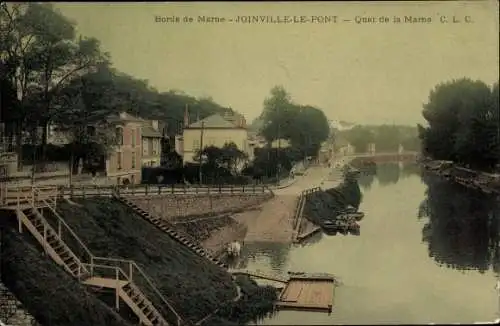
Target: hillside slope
x,y
194,285
49,293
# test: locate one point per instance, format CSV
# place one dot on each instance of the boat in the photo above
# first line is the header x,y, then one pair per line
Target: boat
x,y
338,225
357,216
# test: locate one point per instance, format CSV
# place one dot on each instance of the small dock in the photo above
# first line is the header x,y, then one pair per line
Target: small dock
x,y
301,291
312,292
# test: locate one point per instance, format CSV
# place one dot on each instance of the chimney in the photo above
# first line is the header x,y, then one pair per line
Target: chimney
x,y
154,124
186,117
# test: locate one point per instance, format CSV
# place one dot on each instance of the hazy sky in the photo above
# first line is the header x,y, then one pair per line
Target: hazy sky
x,y
367,73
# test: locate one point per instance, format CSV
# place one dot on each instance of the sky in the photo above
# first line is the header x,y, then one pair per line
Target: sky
x,y
362,72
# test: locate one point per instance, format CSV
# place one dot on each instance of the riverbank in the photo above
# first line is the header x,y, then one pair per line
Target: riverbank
x,y
474,179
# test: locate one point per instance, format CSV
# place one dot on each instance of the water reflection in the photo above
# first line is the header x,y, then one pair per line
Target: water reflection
x,y
388,174
275,254
462,227
387,274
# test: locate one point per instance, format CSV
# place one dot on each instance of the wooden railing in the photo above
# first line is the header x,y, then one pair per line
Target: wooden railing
x,y
120,269
299,210
129,271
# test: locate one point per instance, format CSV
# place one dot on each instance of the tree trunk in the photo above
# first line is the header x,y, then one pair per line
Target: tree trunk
x,y
19,144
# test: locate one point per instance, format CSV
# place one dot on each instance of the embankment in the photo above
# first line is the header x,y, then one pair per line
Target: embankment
x,y
326,204
478,180
214,232
48,292
195,286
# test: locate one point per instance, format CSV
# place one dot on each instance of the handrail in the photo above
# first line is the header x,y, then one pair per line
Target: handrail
x,y
66,226
92,264
133,266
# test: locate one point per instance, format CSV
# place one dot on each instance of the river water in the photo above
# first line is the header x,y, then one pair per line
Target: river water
x,y
426,253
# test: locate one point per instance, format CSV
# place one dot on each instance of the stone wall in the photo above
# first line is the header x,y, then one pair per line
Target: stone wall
x,y
174,207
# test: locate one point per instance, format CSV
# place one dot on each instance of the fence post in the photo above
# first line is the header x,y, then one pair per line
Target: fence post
x,y
117,296
254,190
147,189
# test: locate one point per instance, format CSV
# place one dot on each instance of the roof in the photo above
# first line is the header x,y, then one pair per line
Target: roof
x,y
213,121
149,131
124,116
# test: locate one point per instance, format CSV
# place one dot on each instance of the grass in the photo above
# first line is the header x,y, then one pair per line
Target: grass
x,y
50,294
195,286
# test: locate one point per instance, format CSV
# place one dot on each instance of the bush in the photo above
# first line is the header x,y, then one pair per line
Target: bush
x,y
322,205
256,302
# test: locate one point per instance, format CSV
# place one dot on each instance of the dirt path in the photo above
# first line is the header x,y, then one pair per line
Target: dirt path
x,y
273,222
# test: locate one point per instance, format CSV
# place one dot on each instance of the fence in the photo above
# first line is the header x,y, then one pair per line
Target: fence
x,y
12,194
299,210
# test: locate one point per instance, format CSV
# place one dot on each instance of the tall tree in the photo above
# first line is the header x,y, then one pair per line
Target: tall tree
x,y
43,54
462,122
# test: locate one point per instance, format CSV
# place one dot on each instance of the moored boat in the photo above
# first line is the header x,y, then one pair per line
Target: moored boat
x,y
357,216
338,225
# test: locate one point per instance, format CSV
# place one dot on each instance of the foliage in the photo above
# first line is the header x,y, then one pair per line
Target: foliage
x,y
256,302
323,205
386,138
359,137
51,76
269,162
463,121
305,126
228,157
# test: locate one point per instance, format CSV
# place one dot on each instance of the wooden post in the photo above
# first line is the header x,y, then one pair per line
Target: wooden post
x,y
91,266
117,295
45,238
130,268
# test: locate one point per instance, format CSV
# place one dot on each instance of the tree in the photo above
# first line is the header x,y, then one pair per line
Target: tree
x,y
310,129
228,157
42,55
387,138
277,114
305,126
462,117
359,137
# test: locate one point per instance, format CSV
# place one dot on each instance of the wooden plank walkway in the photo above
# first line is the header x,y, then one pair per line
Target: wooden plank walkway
x,y
308,292
105,282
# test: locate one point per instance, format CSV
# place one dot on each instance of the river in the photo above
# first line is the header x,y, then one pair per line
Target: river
x,y
426,253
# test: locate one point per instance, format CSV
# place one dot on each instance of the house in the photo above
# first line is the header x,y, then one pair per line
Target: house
x,y
215,130
123,164
152,135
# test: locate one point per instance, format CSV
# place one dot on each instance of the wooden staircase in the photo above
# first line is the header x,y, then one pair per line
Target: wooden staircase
x,y
167,227
91,270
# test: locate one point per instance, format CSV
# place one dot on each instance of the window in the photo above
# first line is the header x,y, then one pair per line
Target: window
x,y
119,160
119,136
133,160
134,137
196,145
144,146
155,146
